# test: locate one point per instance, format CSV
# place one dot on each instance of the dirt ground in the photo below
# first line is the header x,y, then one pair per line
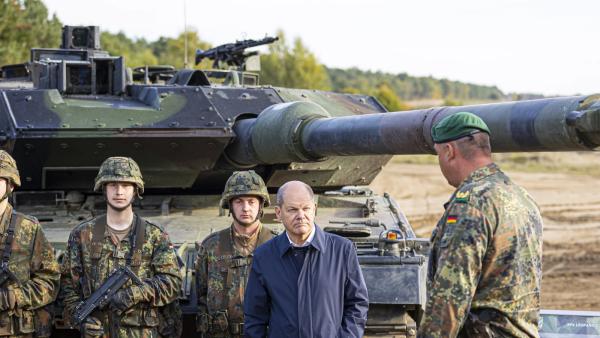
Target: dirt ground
x,y
570,205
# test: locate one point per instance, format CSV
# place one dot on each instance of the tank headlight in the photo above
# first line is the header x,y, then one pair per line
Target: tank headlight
x,y
391,236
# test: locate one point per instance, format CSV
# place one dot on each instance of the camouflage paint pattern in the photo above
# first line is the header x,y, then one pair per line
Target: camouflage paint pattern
x,y
159,270
32,262
221,277
80,113
119,169
486,255
8,169
243,183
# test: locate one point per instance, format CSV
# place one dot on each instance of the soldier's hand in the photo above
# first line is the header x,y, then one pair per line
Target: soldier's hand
x,y
92,327
7,299
123,300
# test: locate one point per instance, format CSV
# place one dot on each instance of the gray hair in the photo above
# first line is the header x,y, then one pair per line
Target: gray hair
x,y
284,187
474,144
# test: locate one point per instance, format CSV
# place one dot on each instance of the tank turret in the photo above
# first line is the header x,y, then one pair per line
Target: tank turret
x,y
192,137
189,135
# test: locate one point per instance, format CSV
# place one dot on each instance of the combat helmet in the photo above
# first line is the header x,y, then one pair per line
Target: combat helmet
x,y
119,169
8,169
244,183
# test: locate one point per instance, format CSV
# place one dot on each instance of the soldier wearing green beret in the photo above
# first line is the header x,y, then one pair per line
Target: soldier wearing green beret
x,y
224,257
485,265
99,246
30,274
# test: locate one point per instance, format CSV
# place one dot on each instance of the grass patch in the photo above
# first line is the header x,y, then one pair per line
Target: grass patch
x,y
415,159
576,163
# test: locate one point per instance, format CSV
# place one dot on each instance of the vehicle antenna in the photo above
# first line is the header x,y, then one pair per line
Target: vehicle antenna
x,y
185,37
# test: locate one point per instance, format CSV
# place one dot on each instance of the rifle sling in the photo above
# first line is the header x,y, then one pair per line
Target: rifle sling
x,y
10,235
137,238
226,247
134,259
226,242
97,239
237,261
263,236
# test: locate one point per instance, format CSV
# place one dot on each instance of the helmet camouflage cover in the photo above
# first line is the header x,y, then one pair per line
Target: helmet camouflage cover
x,y
8,169
119,169
244,183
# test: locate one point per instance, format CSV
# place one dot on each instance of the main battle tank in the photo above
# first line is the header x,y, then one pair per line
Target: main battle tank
x,y
76,106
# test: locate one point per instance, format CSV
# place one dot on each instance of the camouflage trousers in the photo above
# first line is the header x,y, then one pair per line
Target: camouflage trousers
x,y
131,332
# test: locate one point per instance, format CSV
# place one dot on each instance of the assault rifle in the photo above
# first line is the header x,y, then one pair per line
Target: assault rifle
x,y
100,298
6,274
232,53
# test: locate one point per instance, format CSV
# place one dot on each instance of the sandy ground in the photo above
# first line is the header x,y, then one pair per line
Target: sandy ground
x,y
570,205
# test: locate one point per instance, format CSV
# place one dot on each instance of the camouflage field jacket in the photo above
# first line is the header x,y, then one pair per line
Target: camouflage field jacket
x,y
221,277
159,270
485,266
33,264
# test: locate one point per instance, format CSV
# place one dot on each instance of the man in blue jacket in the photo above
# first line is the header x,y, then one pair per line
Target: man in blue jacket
x,y
304,282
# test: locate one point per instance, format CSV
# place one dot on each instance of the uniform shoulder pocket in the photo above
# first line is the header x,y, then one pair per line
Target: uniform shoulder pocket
x,y
459,218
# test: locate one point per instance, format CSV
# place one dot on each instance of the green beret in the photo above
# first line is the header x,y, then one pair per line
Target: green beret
x,y
456,126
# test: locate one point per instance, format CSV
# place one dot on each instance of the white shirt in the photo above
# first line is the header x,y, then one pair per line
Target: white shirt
x,y
306,243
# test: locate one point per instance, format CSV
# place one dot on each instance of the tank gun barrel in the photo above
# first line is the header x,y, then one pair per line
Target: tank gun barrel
x,y
304,131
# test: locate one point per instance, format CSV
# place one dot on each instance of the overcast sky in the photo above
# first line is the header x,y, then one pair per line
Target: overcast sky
x,y
540,46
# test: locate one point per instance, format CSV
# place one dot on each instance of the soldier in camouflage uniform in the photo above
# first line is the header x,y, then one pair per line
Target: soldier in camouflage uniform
x,y
30,274
224,257
99,246
485,263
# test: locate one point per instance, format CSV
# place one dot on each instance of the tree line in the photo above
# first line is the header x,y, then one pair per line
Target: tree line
x,y
411,87
25,24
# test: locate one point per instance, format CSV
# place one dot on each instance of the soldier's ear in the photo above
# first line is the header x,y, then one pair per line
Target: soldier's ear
x,y
450,150
136,194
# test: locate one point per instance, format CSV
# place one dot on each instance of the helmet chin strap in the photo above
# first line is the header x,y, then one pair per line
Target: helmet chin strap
x,y
137,193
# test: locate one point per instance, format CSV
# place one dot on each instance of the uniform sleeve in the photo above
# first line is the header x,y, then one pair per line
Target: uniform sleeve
x,y
42,288
257,303
163,287
201,267
356,301
462,247
71,273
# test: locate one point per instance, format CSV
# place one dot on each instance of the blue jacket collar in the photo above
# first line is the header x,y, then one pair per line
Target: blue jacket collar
x,y
318,242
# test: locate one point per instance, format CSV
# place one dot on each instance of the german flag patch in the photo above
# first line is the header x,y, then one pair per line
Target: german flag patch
x,y
451,219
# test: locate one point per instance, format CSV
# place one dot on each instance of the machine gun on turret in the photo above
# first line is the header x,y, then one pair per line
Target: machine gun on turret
x,y
232,54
